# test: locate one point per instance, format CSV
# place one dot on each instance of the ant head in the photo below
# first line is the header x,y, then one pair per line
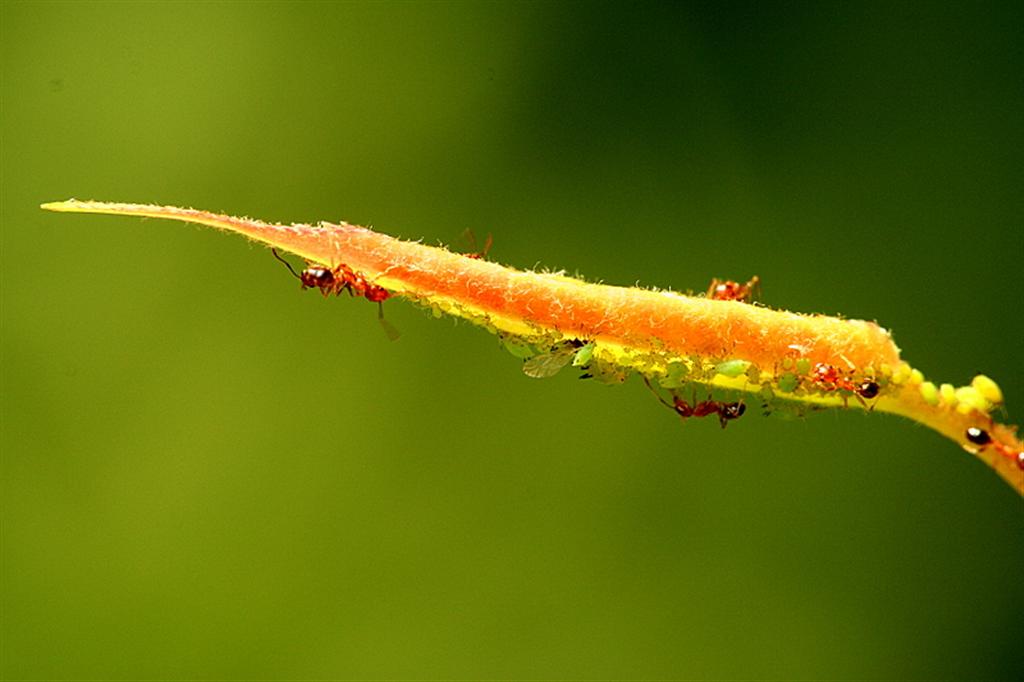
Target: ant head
x,y
868,389
978,436
733,410
316,277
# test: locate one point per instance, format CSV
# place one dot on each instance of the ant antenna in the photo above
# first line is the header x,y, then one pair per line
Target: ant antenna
x,y
469,238
755,289
658,395
286,263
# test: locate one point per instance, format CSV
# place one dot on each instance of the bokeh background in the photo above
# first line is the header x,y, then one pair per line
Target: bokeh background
x,y
208,474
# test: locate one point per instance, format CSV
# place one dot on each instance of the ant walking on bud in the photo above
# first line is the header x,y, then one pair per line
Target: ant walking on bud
x,y
343,278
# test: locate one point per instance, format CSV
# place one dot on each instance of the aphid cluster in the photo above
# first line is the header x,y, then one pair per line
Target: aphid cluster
x,y
551,361
555,355
982,439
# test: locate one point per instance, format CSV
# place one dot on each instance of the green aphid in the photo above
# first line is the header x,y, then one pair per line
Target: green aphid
x,y
584,354
732,368
930,393
787,363
606,372
754,374
518,347
788,382
803,366
697,370
676,377
549,363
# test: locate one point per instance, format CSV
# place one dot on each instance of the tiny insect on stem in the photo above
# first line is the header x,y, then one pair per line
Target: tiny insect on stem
x,y
728,290
342,278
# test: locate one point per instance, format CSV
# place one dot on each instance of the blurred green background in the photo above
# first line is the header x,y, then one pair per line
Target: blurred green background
x,y
208,474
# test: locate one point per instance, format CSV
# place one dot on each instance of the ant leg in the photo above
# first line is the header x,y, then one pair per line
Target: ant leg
x,y
389,328
711,288
658,395
468,239
755,288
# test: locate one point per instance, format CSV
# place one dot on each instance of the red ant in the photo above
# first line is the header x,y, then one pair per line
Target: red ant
x,y
726,411
470,239
727,290
343,278
830,378
336,280
982,439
